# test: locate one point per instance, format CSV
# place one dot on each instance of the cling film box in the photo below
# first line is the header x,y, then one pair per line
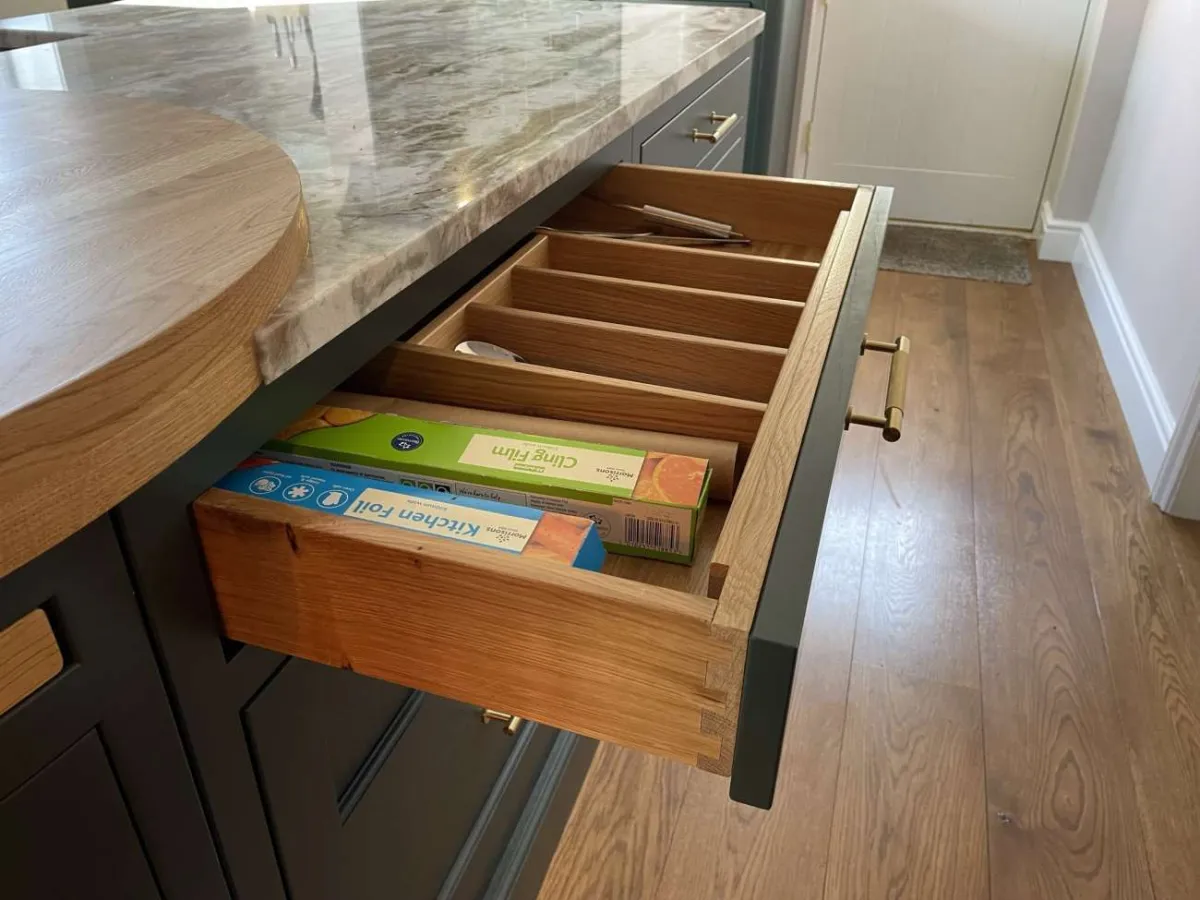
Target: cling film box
x,y
529,533
643,503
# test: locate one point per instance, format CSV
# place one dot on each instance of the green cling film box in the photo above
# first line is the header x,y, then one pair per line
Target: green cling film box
x,y
643,503
529,533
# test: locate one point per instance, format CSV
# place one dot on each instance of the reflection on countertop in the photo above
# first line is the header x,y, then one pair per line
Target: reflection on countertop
x,y
415,124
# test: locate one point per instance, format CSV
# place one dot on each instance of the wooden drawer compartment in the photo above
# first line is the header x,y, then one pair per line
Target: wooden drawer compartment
x,y
690,662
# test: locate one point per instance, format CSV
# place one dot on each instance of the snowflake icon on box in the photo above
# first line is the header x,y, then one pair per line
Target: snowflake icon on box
x,y
298,492
264,485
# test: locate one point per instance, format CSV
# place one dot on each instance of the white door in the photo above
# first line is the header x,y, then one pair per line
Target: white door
x,y
955,103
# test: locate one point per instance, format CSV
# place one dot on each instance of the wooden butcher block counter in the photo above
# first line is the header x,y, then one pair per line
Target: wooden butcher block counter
x,y
140,246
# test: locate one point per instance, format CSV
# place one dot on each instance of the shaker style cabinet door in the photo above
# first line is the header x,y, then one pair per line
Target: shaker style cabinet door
x,y
96,796
378,791
67,833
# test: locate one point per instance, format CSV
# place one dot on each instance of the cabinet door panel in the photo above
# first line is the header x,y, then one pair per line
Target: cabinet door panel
x,y
109,687
372,789
68,836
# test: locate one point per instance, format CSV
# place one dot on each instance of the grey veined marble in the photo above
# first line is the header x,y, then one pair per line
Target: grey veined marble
x,y
415,124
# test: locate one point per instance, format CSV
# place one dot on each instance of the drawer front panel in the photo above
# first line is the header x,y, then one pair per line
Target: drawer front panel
x,y
673,145
728,159
352,768
494,835
774,643
690,662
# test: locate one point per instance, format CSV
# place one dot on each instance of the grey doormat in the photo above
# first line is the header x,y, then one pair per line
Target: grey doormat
x,y
957,254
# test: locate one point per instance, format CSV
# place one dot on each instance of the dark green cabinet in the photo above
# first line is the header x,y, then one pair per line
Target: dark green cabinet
x,y
373,790
68,834
96,796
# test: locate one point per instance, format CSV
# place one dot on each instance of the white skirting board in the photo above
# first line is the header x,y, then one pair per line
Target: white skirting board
x,y
1059,237
1150,420
1169,451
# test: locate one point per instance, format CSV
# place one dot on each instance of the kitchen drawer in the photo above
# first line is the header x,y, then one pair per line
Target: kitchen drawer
x,y
705,126
731,158
753,345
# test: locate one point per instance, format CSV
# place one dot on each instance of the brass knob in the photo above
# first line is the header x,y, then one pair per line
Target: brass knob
x,y
511,723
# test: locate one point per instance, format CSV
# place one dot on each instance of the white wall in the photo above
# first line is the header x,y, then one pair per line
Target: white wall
x,y
1138,259
1106,51
1146,216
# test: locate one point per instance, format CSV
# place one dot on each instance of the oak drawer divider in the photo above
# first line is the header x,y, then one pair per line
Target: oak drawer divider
x,y
450,326
734,317
714,270
443,376
685,361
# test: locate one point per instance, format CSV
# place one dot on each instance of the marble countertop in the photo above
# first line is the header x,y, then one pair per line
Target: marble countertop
x,y
415,124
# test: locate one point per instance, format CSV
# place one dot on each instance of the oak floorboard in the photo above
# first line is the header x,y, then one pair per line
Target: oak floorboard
x,y
909,822
617,837
918,612
1149,615
724,850
1063,819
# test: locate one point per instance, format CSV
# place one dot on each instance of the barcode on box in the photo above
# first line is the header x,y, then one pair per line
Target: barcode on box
x,y
650,535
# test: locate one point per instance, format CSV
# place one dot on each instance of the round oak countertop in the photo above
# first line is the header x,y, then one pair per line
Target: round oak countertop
x,y
140,246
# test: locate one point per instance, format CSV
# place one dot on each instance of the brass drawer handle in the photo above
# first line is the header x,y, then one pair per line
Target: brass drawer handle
x,y
893,409
512,723
723,123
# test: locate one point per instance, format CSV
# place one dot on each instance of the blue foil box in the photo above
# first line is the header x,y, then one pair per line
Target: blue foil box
x,y
521,530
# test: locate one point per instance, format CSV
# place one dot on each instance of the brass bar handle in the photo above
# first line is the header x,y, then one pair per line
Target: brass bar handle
x,y
723,123
893,408
511,723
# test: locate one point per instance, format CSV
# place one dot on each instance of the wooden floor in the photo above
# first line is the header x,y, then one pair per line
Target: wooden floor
x,y
1001,655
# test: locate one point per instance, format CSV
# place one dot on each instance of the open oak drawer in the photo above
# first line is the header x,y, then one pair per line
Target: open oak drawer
x,y
751,345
